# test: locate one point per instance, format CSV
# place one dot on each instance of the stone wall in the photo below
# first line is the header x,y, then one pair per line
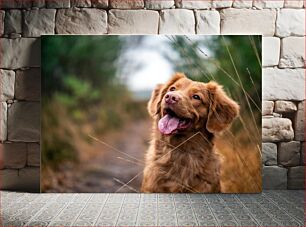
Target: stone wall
x,y
282,22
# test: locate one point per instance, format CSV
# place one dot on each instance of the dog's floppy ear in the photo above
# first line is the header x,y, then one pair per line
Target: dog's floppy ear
x,y
159,92
222,111
154,102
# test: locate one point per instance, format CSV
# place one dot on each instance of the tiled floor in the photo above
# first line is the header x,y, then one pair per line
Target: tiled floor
x,y
271,208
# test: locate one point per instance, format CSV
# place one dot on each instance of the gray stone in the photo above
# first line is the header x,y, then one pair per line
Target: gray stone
x,y
285,106
19,53
283,84
7,81
289,153
25,180
296,177
81,21
248,21
38,3
177,21
269,154
39,22
290,22
270,51
14,155
27,86
242,4
2,14
261,4
292,52
191,4
15,4
13,21
159,4
80,3
293,4
299,122
221,4
3,121
303,160
126,4
276,129
274,177
24,122
267,107
133,22
208,22
33,158
55,4
99,3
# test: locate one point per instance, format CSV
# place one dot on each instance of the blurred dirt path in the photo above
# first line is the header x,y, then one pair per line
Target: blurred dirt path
x,y
102,172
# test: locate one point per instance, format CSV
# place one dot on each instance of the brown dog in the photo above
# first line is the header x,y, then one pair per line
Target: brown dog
x,y
186,114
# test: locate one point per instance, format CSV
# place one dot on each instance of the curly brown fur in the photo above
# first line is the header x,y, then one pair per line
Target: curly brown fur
x,y
183,159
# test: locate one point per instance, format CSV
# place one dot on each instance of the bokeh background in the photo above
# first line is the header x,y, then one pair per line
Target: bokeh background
x,y
95,127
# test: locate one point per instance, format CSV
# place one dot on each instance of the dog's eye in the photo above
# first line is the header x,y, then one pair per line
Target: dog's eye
x,y
196,97
172,89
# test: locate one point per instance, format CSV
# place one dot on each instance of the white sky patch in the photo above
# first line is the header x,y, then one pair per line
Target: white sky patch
x,y
154,70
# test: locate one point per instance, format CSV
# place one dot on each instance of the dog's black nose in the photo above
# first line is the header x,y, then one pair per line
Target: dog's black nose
x,y
171,98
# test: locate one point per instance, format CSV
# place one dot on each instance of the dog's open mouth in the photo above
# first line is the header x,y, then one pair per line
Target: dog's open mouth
x,y
170,123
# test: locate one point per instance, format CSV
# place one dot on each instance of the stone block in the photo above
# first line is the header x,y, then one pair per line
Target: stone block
x,y
14,155
80,3
24,122
270,51
177,21
267,107
20,53
303,160
99,3
2,15
290,22
261,4
126,4
81,21
159,4
27,86
292,52
285,107
191,4
221,4
3,121
7,81
296,177
242,4
293,4
248,21
269,154
299,122
33,158
277,129
283,84
13,21
133,22
289,153
38,3
39,22
208,22
55,4
274,177
25,180
15,4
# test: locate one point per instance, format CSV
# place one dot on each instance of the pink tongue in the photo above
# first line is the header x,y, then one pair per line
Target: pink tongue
x,y
168,124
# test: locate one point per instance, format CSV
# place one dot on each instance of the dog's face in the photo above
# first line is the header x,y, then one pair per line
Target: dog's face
x,y
183,105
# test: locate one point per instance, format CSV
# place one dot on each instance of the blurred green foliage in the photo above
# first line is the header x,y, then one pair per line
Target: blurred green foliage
x,y
80,90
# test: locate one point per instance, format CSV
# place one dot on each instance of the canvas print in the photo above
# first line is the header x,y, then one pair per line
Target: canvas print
x,y
151,114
